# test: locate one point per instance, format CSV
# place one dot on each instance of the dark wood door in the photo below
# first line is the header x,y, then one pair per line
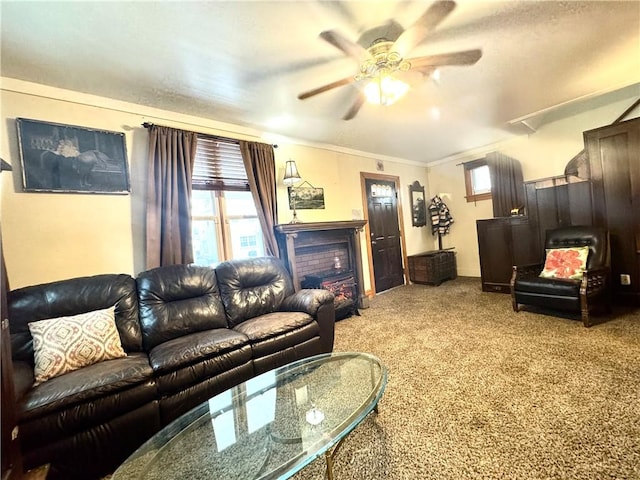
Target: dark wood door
x,y
384,229
614,159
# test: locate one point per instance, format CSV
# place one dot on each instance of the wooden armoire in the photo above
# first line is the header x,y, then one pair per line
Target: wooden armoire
x,y
610,198
614,161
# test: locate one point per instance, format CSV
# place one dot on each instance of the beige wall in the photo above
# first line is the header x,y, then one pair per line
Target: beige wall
x,y
544,153
49,237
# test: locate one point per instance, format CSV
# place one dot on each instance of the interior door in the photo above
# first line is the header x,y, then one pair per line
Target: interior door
x,y
386,250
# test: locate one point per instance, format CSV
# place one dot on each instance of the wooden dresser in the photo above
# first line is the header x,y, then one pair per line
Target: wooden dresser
x,y
502,243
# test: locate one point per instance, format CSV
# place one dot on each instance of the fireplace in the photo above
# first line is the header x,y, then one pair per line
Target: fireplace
x,y
342,284
326,255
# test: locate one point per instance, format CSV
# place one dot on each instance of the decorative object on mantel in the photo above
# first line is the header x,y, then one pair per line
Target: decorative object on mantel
x,y
418,205
301,197
291,177
70,159
441,218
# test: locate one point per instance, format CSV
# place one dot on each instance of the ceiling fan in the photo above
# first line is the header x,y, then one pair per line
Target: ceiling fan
x,y
385,73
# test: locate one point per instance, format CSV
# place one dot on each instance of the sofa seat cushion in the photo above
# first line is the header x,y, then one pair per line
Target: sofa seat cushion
x,y
86,385
277,331
548,286
184,351
187,361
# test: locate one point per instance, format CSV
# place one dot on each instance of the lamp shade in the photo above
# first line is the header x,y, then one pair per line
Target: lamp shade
x,y
291,175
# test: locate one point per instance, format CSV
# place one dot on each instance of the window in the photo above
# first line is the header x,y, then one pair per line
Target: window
x,y
477,180
224,219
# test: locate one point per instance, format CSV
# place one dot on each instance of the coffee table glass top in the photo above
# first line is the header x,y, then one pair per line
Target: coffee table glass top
x,y
268,427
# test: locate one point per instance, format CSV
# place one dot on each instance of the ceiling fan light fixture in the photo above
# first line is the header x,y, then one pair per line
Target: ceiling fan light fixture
x,y
385,90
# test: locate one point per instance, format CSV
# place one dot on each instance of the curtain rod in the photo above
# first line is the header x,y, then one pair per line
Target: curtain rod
x,y
208,135
470,161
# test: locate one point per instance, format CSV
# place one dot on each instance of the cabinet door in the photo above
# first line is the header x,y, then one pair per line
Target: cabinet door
x,y
495,251
614,159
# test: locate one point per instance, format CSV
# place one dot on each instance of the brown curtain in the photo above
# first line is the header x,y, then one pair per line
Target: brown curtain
x,y
507,186
260,164
171,157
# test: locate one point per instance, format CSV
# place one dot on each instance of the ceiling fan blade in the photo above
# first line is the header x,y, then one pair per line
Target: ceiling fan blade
x,y
429,20
324,88
466,57
342,43
355,108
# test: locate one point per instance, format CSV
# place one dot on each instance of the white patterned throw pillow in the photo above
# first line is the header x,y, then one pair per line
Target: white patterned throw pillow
x,y
65,344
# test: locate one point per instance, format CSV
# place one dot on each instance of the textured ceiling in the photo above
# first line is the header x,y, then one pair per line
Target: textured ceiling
x,y
245,63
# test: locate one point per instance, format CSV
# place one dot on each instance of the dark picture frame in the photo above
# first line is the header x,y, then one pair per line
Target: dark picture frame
x,y
306,198
70,159
418,205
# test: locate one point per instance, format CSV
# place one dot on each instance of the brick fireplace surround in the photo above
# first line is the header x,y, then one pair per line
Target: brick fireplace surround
x,y
312,248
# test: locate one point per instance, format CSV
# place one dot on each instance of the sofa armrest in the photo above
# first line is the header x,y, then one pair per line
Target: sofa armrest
x,y
594,281
307,300
319,304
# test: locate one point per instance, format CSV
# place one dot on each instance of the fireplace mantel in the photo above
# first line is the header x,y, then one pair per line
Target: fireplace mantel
x,y
294,238
288,228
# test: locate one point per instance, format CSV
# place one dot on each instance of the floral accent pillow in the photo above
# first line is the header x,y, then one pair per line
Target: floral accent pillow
x,y
565,263
65,344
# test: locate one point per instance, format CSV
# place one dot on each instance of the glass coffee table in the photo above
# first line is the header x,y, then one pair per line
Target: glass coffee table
x,y
271,426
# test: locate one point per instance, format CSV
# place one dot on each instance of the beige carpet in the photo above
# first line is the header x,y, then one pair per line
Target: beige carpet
x,y
477,391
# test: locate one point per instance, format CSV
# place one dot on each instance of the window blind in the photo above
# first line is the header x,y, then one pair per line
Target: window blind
x,y
218,165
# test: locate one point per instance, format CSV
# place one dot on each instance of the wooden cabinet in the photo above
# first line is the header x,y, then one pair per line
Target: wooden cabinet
x,y
432,267
502,243
614,161
557,202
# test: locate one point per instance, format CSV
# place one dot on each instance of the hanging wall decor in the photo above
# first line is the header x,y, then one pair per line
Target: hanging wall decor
x,y
70,159
418,205
306,198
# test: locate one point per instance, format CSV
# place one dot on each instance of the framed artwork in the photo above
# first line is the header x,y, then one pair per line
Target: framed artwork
x,y
306,198
418,205
70,159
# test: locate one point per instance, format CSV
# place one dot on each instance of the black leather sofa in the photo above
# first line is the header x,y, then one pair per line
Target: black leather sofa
x,y
189,333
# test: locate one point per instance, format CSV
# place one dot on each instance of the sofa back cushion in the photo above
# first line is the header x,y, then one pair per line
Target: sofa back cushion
x,y
71,297
252,287
177,300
